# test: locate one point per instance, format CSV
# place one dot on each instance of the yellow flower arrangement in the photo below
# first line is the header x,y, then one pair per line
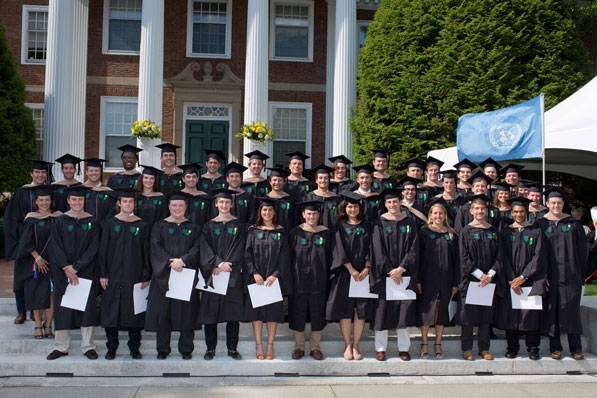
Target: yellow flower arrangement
x,y
145,129
258,131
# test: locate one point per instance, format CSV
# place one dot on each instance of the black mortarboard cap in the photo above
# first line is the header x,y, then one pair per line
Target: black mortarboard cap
x,y
489,162
177,195
471,198
391,193
68,158
215,154
150,170
223,193
407,181
519,201
44,190
76,190
437,201
536,187
313,205
190,167
168,147
527,183
511,168
364,168
126,192
297,155
555,192
257,155
432,160
233,167
41,165
321,169
380,153
465,163
480,175
340,159
129,148
94,162
266,201
502,186
450,174
414,162
278,172
351,197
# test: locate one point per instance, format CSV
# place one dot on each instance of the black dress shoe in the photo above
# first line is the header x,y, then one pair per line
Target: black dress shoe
x,y
234,354
110,355
534,354
136,355
511,354
162,355
187,355
209,355
56,354
91,354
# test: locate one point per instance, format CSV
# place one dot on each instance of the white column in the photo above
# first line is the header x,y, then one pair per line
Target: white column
x,y
345,75
66,80
329,81
256,69
151,75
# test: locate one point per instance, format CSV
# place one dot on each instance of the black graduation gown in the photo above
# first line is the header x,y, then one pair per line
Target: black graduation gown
x,y
124,259
454,205
200,209
415,215
244,207
287,212
351,245
479,248
344,185
222,242
151,209
505,219
535,215
299,189
208,185
60,195
36,235
266,254
101,204
438,274
74,242
464,217
393,244
327,215
170,182
380,184
121,180
257,189
171,240
20,203
371,207
522,253
567,256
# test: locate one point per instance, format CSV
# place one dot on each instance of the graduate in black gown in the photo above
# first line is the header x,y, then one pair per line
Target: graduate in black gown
x,y
310,246
200,208
567,255
394,254
174,246
536,209
414,171
152,205
267,259
450,195
222,250
350,260
370,200
438,274
256,184
170,176
70,165
297,185
212,180
501,194
340,179
100,200
73,251
32,270
329,200
465,170
244,202
479,184
524,266
19,205
410,205
479,263
285,203
381,179
123,261
128,177
433,182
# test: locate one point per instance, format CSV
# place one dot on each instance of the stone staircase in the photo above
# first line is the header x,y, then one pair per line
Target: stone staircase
x,y
21,355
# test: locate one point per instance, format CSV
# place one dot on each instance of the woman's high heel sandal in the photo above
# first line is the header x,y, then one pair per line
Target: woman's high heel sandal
x,y
49,335
40,335
259,351
270,351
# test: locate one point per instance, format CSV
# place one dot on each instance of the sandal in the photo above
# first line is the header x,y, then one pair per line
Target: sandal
x,y
48,335
348,353
424,352
438,353
38,336
270,351
259,351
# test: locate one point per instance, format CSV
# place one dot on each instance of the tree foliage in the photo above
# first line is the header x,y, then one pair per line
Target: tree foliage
x,y
426,62
17,129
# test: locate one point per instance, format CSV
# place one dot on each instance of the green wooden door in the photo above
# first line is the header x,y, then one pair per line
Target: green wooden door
x,y
205,134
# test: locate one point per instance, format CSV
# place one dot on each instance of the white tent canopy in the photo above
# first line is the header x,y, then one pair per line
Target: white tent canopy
x,y
570,137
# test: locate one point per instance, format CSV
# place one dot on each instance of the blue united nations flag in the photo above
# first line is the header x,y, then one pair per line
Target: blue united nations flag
x,y
506,134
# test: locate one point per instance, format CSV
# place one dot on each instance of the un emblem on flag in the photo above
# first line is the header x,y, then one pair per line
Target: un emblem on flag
x,y
506,135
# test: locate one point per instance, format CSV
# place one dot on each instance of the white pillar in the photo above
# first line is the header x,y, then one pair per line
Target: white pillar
x,y
66,80
345,75
329,81
256,69
151,75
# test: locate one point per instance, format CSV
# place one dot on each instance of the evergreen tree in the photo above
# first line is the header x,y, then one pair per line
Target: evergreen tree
x,y
426,62
17,131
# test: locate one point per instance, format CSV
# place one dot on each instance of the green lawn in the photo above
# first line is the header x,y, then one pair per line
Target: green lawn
x,y
591,289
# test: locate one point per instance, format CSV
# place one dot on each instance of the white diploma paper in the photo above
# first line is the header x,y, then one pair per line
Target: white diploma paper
x,y
477,295
396,292
360,289
452,308
220,282
524,301
180,284
76,296
263,295
140,298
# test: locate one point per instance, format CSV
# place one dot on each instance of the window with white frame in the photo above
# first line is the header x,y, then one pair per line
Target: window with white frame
x,y
291,123
34,35
122,26
291,30
37,111
363,29
117,115
209,28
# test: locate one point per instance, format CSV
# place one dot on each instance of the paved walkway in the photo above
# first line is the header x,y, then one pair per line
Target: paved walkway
x,y
6,272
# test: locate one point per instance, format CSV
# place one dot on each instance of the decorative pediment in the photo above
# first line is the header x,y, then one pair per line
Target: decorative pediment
x,y
205,71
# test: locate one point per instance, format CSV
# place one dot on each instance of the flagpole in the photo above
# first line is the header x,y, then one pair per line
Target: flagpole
x,y
543,138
